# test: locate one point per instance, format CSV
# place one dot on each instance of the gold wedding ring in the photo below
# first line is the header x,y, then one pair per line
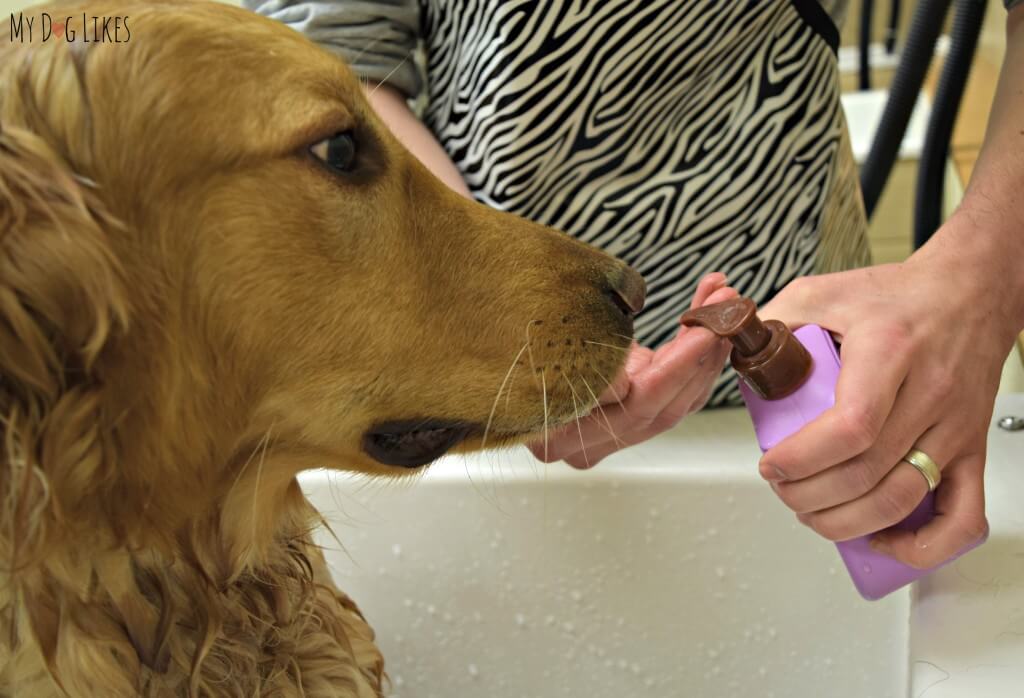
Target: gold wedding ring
x,y
926,466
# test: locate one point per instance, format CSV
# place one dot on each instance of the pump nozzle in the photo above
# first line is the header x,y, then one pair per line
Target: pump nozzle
x,y
765,354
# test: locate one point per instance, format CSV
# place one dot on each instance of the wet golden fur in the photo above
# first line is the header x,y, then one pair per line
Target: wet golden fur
x,y
193,310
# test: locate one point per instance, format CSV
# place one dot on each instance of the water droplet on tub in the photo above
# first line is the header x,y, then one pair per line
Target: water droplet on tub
x,y
576,595
867,568
473,670
520,620
431,609
396,550
1011,423
407,603
720,572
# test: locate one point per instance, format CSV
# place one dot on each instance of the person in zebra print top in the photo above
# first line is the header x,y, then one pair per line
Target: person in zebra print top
x,y
695,136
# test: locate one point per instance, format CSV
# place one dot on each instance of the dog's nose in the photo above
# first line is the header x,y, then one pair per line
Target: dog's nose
x,y
627,289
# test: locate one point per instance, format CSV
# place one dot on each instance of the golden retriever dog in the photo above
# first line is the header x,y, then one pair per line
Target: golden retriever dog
x,y
217,269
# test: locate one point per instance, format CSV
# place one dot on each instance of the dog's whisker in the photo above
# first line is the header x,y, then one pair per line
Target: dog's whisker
x,y
499,460
259,474
529,352
388,76
511,382
625,337
610,346
241,471
611,431
469,476
363,51
546,464
579,427
494,407
611,389
344,501
477,487
493,474
544,399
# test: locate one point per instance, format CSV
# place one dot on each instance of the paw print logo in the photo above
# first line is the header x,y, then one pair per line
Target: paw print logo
x,y
58,30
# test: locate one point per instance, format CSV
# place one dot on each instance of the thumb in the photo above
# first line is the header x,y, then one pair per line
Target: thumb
x,y
801,302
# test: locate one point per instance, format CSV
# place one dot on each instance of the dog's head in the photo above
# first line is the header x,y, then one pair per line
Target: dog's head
x,y
216,261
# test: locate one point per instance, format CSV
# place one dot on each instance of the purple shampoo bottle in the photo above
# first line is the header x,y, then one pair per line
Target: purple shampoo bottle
x,y
787,379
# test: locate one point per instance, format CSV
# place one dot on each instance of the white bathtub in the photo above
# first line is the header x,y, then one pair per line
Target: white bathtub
x,y
669,570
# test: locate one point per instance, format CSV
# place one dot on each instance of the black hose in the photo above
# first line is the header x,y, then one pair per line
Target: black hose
x,y
893,30
929,16
867,16
931,174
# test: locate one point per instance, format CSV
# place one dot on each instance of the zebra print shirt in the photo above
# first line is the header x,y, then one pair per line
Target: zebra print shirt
x,y
682,136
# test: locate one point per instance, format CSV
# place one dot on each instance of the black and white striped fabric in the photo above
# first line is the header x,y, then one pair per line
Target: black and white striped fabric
x,y
682,136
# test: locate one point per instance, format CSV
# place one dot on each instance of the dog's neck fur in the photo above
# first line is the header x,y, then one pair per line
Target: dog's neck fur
x,y
191,458
201,561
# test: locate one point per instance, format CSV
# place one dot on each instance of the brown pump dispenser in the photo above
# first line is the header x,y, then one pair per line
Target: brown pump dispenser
x,y
766,354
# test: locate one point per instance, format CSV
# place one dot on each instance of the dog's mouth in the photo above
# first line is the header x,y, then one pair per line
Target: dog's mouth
x,y
415,442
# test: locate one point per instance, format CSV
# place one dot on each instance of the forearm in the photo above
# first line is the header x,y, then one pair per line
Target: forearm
x,y
377,40
393,110
992,209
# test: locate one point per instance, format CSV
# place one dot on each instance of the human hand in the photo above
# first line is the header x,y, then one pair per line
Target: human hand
x,y
653,393
923,345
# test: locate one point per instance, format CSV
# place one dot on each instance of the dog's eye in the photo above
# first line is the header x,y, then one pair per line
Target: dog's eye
x,y
338,152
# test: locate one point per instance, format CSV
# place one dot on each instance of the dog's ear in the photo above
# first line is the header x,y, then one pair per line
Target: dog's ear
x,y
62,297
